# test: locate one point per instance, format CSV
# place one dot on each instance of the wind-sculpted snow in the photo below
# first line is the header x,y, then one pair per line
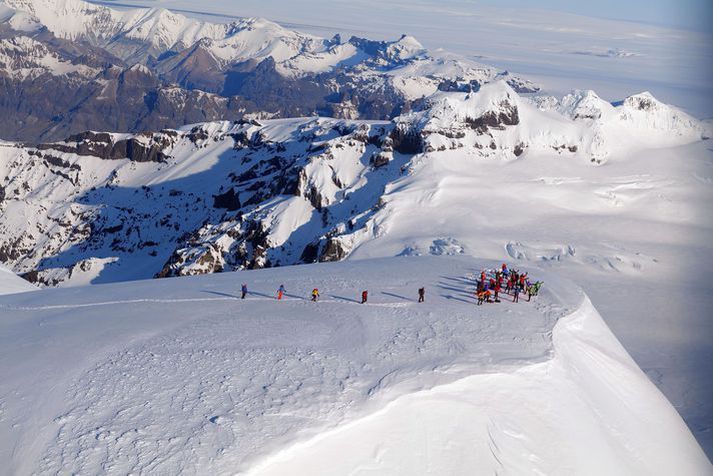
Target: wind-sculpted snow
x,y
103,207
180,375
570,415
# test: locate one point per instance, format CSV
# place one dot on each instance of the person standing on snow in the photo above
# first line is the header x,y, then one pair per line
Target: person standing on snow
x,y
516,294
364,296
280,291
243,291
421,294
315,294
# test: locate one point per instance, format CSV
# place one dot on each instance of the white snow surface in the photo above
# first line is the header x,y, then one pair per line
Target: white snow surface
x,y
180,376
10,283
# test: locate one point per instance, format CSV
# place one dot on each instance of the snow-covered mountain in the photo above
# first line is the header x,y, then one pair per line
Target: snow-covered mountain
x,y
148,69
102,207
136,35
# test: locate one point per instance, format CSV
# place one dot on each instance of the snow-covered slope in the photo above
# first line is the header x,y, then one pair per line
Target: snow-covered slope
x,y
10,283
180,375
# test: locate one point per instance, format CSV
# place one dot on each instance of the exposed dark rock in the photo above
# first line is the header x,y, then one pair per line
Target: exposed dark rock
x,y
380,159
311,253
508,116
315,198
102,145
334,250
406,140
113,229
53,160
228,200
641,103
198,134
31,276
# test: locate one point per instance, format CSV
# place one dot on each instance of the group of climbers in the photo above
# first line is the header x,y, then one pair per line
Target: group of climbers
x,y
490,285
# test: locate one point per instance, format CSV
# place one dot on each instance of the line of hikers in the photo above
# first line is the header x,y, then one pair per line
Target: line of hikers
x,y
315,293
489,285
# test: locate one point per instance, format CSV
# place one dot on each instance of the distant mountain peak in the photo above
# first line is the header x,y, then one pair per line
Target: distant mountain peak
x,y
250,65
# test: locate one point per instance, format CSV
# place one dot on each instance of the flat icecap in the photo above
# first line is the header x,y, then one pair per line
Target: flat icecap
x,y
179,375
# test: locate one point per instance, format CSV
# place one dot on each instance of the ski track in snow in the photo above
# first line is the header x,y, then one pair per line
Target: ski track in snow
x,y
175,301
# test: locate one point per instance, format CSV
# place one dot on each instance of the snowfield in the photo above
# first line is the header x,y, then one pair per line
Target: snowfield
x,y
181,376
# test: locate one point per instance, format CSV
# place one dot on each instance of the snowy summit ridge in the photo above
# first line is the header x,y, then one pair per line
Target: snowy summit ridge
x,y
212,383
